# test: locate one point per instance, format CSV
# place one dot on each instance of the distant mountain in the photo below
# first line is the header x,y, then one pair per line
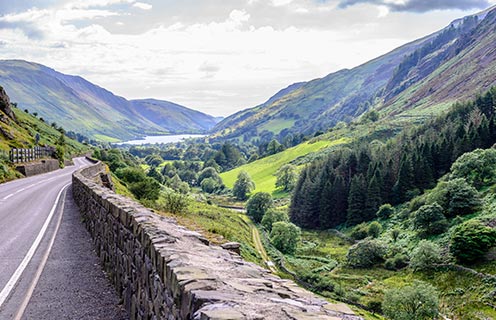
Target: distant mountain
x,y
422,76
83,107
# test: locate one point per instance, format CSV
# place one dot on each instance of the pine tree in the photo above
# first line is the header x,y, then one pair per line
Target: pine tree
x,y
356,200
374,199
404,182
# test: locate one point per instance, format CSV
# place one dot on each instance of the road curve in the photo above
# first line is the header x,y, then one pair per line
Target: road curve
x,y
47,263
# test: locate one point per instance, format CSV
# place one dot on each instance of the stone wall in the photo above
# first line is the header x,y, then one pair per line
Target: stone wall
x,y
44,166
164,271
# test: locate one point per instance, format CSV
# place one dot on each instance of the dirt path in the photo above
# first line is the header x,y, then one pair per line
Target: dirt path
x,y
259,245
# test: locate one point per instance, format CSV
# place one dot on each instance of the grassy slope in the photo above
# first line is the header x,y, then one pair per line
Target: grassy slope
x,y
24,132
263,170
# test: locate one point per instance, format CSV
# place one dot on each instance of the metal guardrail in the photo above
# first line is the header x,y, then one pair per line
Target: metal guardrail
x,y
21,155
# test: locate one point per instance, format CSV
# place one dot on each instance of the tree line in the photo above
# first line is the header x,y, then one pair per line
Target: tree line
x,y
350,185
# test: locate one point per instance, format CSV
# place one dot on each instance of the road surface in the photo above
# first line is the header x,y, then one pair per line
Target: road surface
x,y
48,268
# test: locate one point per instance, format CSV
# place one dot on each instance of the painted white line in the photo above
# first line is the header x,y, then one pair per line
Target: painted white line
x,y
20,269
41,267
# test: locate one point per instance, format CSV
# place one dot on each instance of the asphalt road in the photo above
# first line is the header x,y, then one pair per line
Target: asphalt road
x,y
48,268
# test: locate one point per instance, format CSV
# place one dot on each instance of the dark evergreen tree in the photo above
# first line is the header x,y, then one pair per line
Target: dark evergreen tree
x,y
356,200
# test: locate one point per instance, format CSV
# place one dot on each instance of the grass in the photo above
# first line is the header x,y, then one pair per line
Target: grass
x,y
263,171
24,132
105,138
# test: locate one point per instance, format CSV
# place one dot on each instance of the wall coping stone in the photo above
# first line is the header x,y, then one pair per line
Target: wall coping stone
x,y
164,271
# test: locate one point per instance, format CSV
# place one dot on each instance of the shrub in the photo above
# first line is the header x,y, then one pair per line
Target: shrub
x,y
399,261
359,232
416,302
471,240
385,211
365,254
285,236
173,202
429,220
424,255
395,234
258,205
477,167
374,229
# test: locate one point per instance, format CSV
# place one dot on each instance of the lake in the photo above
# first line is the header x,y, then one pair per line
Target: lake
x,y
162,139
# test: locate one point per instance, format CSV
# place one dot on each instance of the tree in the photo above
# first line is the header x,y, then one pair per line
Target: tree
x,y
418,301
429,220
60,149
209,185
209,172
456,197
356,200
272,216
471,240
148,189
286,177
425,255
243,186
153,173
285,236
365,254
257,205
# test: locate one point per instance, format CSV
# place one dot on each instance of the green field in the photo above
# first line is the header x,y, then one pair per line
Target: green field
x,y
263,170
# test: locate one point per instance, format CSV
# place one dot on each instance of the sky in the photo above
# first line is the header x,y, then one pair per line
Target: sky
x,y
215,56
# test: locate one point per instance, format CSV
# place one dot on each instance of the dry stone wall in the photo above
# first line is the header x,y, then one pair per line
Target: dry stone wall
x,y
164,271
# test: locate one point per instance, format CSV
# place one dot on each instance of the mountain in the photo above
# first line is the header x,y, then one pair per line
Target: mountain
x,y
80,106
417,78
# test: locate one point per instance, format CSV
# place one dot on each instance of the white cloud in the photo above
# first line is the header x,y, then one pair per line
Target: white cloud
x,y
218,64
142,5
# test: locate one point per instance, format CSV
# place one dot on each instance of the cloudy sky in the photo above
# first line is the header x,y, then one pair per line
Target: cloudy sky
x,y
217,56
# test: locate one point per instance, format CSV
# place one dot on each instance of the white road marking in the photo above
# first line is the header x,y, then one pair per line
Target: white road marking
x,y
43,262
20,269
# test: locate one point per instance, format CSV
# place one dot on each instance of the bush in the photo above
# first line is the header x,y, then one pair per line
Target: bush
x,y
477,167
272,216
173,202
258,205
416,302
397,262
385,211
285,236
424,255
360,231
471,240
374,229
365,254
429,220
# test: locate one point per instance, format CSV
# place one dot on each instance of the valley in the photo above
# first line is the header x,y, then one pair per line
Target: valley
x,y
373,187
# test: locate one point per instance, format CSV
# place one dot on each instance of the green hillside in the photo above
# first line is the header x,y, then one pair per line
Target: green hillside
x,y
263,171
21,133
416,80
88,109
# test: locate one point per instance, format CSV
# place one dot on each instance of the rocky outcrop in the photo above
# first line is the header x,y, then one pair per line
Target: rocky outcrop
x,y
5,105
164,271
